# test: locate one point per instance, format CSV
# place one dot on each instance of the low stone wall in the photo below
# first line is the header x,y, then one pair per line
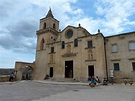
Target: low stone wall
x,y
4,78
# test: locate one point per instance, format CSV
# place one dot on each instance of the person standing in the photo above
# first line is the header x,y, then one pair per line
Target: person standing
x,y
97,79
11,77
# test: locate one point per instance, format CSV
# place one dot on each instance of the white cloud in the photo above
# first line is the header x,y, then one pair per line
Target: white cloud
x,y
115,14
112,17
78,11
130,23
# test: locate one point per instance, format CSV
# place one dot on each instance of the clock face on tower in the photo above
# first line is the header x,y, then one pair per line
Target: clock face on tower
x,y
69,33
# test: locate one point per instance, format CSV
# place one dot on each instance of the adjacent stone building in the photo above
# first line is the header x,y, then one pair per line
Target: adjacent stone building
x,y
120,55
76,54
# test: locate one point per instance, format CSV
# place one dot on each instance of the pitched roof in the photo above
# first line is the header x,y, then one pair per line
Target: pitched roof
x,y
49,14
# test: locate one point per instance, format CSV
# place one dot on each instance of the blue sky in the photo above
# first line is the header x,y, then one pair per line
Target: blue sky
x,y
19,21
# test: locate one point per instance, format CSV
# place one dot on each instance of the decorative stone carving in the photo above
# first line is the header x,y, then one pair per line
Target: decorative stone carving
x,y
68,48
51,58
90,55
69,53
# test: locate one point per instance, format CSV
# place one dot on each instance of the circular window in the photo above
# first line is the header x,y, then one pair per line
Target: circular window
x,y
69,33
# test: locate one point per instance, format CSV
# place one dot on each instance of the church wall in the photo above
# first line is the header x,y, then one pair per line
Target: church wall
x,y
41,66
80,63
80,55
98,60
41,56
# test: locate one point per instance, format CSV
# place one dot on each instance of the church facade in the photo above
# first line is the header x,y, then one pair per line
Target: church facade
x,y
76,54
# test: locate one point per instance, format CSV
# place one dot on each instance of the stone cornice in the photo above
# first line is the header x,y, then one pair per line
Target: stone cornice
x,y
90,60
115,60
42,31
90,48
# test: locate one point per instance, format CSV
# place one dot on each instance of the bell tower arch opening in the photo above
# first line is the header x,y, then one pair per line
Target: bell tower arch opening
x,y
54,26
44,27
42,44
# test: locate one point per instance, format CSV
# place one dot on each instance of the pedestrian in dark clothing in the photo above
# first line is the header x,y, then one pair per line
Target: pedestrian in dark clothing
x,y
105,81
11,77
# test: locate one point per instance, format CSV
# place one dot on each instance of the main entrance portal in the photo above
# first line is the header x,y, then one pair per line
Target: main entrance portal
x,y
68,69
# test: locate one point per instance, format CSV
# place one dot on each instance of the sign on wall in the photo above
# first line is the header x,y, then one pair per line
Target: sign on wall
x,y
111,73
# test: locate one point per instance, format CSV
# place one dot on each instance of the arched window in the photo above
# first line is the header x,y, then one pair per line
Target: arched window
x,y
75,42
42,44
44,26
90,44
54,26
63,45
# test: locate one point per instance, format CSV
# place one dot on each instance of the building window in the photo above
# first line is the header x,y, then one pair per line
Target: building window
x,y
90,44
114,48
75,42
54,26
116,67
63,45
133,65
52,49
132,45
69,33
44,26
42,44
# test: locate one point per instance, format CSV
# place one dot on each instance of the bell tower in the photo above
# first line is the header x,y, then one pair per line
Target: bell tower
x,y
49,22
48,31
46,36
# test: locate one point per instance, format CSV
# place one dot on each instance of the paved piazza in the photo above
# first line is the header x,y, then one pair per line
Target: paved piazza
x,y
35,91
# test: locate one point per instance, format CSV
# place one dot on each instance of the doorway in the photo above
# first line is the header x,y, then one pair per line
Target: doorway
x,y
27,73
91,70
51,71
68,69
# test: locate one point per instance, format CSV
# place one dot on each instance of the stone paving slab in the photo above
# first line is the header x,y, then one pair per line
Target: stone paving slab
x,y
64,91
100,93
31,90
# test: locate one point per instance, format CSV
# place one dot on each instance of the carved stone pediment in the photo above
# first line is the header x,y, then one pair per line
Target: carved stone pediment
x,y
69,54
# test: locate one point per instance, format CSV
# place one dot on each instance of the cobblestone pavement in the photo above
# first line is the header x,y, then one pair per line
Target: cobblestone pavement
x,y
29,90
44,91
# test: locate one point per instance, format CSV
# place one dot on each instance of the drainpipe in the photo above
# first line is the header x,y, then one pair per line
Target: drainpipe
x,y
105,58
